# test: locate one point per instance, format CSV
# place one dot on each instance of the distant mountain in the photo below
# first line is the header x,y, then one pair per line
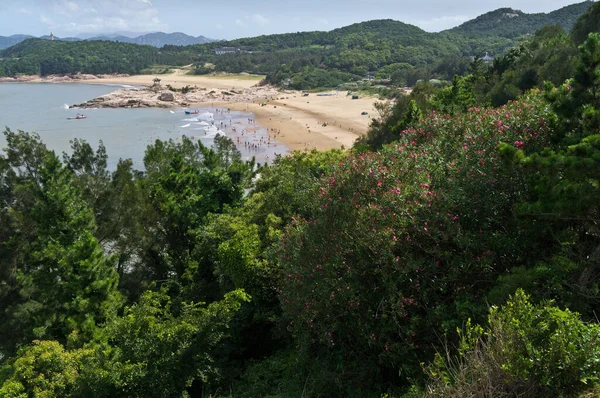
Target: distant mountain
x,y
157,39
88,35
60,38
510,23
10,41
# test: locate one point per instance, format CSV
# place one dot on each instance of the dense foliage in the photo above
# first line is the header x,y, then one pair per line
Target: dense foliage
x,y
45,57
390,49
526,349
510,23
448,254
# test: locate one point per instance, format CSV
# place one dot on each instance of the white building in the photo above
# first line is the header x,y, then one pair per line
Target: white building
x,y
227,50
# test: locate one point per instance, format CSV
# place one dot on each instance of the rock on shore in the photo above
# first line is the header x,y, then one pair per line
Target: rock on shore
x,y
135,98
159,97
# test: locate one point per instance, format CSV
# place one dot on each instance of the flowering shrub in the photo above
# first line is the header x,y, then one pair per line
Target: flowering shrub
x,y
405,242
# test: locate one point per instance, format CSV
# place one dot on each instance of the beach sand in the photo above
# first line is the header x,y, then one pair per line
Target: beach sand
x,y
300,119
179,79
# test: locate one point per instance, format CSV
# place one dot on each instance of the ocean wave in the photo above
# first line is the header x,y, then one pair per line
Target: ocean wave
x,y
185,126
212,132
65,106
207,116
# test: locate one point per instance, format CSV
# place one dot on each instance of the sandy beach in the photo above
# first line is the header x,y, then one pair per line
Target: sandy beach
x,y
297,121
292,119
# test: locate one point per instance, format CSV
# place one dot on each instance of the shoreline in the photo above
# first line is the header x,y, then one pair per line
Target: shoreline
x,y
300,123
291,118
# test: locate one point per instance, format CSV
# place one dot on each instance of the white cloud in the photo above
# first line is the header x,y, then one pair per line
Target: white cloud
x,y
259,20
24,11
256,19
102,16
46,21
441,23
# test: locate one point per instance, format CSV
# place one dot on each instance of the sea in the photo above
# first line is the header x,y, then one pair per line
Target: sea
x,y
43,108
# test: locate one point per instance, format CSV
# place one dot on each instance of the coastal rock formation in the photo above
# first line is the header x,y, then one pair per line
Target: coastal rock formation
x,y
133,98
149,97
166,96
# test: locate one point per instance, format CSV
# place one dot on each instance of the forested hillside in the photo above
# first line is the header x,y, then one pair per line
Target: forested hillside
x,y
44,57
390,49
510,23
399,53
454,251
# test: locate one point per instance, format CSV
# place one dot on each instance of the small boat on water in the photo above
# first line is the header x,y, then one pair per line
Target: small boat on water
x,y
196,112
78,117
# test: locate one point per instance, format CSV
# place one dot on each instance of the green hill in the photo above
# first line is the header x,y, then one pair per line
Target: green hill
x,y
510,23
390,50
44,57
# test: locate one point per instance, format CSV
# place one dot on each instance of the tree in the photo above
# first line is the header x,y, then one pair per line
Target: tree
x,y
161,346
586,24
46,369
58,280
391,122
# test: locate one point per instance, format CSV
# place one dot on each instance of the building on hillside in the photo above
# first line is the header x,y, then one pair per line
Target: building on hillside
x,y
227,50
487,59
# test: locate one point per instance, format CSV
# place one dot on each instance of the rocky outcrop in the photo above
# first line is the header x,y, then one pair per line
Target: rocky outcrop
x,y
166,97
150,97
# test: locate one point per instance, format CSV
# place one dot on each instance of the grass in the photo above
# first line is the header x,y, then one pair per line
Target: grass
x,y
232,76
237,77
158,70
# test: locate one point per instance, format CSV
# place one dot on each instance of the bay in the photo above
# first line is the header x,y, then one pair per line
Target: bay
x,y
43,108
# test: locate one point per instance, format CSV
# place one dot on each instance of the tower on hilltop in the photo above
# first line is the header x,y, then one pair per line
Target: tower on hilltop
x,y
51,36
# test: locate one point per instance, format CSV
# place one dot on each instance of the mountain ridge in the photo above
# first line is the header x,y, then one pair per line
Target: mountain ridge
x,y
511,23
155,39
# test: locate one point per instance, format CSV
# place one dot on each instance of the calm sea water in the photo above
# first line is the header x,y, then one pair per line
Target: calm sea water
x,y
43,108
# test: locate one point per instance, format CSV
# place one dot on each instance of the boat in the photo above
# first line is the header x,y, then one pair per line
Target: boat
x,y
196,112
78,117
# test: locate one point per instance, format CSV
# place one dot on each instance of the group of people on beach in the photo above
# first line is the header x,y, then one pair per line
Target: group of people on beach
x,y
256,145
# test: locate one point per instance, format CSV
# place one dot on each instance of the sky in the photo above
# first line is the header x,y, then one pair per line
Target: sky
x,y
229,19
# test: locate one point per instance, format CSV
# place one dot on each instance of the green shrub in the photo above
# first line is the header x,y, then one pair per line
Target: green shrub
x,y
526,350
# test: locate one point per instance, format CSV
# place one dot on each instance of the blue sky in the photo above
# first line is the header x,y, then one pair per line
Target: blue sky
x,y
227,19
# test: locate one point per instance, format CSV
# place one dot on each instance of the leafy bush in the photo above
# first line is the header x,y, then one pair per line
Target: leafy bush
x,y
526,350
